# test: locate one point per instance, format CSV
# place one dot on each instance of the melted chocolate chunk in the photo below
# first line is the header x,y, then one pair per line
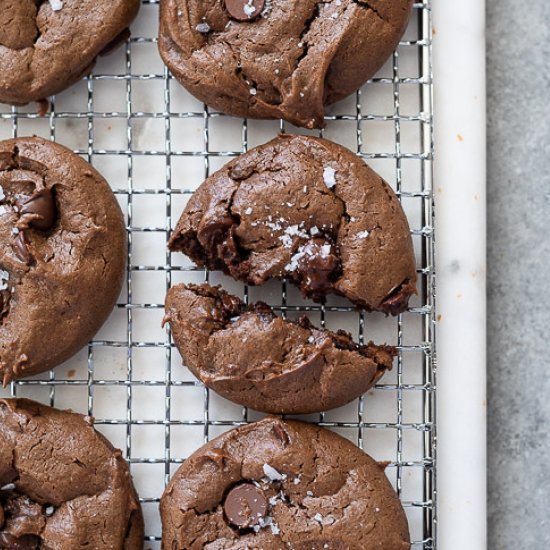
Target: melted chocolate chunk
x,y
5,297
245,505
23,515
244,10
26,542
21,249
318,267
213,234
41,207
398,299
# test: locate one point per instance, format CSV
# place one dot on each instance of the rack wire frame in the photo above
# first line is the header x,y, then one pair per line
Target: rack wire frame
x,y
55,385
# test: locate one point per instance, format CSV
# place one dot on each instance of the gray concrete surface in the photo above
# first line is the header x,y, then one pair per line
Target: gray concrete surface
x,y
519,266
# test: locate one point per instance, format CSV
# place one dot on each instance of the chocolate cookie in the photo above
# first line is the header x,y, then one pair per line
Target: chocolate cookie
x,y
309,210
47,46
278,58
279,485
259,360
62,255
62,484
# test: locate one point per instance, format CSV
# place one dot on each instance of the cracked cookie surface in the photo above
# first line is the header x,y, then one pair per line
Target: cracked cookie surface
x,y
259,360
288,61
62,255
308,210
43,51
315,489
62,484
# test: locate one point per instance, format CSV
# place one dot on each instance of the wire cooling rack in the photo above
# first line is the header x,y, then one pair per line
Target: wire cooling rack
x,y
155,144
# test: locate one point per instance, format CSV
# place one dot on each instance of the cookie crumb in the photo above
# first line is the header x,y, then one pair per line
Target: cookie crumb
x,y
363,234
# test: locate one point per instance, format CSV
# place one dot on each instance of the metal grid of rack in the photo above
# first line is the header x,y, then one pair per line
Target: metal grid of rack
x,y
155,144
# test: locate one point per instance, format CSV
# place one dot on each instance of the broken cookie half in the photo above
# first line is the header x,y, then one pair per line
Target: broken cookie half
x,y
309,211
253,357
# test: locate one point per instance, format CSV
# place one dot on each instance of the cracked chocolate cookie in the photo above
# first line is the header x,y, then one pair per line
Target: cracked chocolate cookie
x,y
62,255
45,46
280,485
278,58
62,484
308,210
259,360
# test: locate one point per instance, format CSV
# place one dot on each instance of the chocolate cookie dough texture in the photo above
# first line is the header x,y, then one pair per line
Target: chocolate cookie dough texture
x,y
259,360
308,210
62,484
278,58
279,484
62,255
45,46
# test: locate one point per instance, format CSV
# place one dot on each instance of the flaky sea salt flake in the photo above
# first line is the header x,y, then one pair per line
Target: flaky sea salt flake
x,y
203,28
56,4
329,176
272,473
249,8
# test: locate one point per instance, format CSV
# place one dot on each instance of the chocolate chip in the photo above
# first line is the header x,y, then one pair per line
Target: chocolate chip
x,y
42,205
244,10
26,542
244,505
1,516
21,249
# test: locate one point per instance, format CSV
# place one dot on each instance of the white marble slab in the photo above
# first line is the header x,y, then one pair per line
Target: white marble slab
x,y
460,170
